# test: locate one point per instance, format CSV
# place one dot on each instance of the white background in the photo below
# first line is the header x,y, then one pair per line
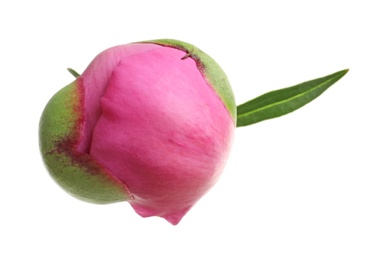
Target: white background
x,y
296,187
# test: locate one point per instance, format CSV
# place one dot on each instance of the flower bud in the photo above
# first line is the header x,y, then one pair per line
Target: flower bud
x,y
150,123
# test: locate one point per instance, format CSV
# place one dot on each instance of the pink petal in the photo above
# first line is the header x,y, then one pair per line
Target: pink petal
x,y
159,128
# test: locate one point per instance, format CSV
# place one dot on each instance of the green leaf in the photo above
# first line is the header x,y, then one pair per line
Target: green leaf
x,y
283,101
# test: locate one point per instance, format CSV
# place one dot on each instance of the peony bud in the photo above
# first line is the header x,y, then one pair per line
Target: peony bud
x,y
150,123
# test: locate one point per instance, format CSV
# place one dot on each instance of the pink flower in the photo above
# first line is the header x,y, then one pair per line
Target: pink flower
x,y
153,121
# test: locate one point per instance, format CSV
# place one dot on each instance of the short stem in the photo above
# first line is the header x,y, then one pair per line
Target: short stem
x,y
73,72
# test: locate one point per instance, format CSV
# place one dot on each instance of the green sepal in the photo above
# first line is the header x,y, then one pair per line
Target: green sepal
x,y
211,71
77,173
280,102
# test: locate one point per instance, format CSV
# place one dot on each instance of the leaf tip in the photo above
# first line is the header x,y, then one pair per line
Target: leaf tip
x,y
343,72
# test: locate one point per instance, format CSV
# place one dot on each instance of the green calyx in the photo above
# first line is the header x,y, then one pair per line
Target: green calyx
x,y
210,70
75,172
